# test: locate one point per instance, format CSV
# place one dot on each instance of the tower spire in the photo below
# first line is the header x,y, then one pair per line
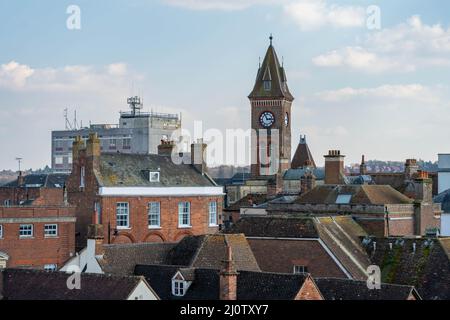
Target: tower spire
x,y
271,38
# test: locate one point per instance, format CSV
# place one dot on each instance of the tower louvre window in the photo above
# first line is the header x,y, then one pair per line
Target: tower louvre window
x,y
267,85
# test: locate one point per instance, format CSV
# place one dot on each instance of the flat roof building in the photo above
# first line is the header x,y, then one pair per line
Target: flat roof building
x,y
137,133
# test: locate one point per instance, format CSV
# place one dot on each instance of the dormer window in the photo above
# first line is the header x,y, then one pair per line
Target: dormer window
x,y
179,288
267,85
154,176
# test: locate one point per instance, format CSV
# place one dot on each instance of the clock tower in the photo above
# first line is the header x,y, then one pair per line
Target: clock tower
x,y
271,104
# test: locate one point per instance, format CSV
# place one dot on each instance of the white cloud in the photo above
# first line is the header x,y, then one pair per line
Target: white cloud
x,y
74,78
402,48
314,14
14,75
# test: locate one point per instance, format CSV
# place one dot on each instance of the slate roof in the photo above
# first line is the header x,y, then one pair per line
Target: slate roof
x,y
342,236
209,251
21,284
120,259
427,269
271,70
346,289
275,227
206,284
444,199
131,170
302,156
361,194
296,174
52,180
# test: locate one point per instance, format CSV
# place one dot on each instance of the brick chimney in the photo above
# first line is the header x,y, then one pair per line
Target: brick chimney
x,y
198,156
363,167
166,147
334,167
95,238
307,182
411,168
77,146
228,278
423,186
93,149
20,179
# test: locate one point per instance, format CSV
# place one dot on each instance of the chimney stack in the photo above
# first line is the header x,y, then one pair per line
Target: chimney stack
x,y
363,167
20,179
334,167
95,239
166,147
198,156
411,168
307,182
228,278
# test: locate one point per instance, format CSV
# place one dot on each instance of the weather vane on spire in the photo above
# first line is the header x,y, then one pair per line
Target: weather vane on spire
x,y
271,38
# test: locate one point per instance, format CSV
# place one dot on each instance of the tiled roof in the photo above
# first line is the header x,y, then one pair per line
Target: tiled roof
x,y
128,170
247,201
302,156
360,194
275,227
426,268
206,284
120,259
346,289
209,251
271,70
52,180
21,284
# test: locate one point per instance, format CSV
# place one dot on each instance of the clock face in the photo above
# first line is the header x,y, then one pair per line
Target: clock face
x,y
267,119
286,119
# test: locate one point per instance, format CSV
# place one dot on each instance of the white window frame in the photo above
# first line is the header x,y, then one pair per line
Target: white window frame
x,y
126,143
51,267
51,235
1,231
82,177
59,160
184,210
21,236
7,203
154,210
153,176
213,217
300,269
178,288
120,211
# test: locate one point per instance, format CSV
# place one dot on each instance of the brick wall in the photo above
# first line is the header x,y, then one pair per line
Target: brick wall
x,y
37,251
169,231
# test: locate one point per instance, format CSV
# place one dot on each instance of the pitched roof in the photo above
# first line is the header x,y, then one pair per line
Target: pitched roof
x,y
127,170
346,289
21,284
52,180
296,174
302,156
275,227
342,236
426,268
444,199
206,284
271,70
209,251
120,259
360,194
249,200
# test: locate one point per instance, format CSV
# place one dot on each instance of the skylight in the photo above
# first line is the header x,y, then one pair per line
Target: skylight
x,y
343,199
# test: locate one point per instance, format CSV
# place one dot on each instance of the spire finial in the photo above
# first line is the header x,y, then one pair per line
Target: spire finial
x,y
271,38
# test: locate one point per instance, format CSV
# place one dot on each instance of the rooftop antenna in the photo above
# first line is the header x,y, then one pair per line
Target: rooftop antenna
x,y
75,120
19,160
135,104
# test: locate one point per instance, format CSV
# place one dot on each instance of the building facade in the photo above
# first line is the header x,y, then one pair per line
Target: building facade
x,y
143,198
137,133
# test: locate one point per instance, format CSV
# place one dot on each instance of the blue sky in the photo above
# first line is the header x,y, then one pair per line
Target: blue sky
x,y
383,93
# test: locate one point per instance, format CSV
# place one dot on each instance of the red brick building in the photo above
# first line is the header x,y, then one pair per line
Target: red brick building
x,y
37,227
143,198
